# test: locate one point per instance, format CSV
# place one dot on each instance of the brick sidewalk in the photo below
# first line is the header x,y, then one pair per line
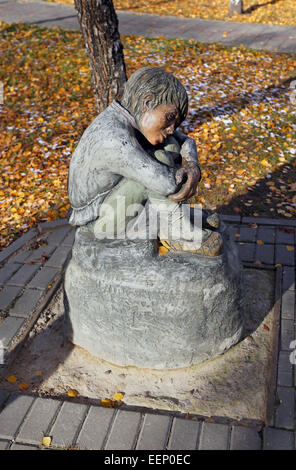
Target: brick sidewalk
x,y
254,35
25,289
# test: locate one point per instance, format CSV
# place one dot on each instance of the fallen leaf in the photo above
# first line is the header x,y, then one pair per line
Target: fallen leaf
x,y
265,327
289,248
162,250
260,242
46,441
23,386
12,379
118,396
72,393
107,403
38,373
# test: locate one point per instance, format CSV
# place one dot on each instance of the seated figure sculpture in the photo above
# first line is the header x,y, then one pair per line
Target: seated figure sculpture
x,y
133,152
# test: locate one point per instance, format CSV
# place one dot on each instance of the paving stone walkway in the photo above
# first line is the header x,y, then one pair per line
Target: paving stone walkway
x,y
255,35
30,273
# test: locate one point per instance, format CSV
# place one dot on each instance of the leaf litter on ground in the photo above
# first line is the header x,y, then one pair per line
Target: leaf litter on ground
x,y
241,115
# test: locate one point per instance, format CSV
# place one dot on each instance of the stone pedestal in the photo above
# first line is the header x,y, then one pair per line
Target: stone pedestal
x,y
132,307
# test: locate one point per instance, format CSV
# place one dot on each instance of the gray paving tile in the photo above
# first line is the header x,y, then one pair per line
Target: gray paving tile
x,y
26,303
154,433
287,334
59,257
246,251
9,328
124,431
230,218
17,244
214,436
277,439
285,235
4,444
43,278
284,256
234,234
288,305
69,240
57,236
265,254
285,369
36,256
3,396
13,414
184,434
67,424
288,278
8,294
284,415
38,420
53,224
95,428
266,234
21,257
23,275
243,438
268,221
248,234
7,271
17,446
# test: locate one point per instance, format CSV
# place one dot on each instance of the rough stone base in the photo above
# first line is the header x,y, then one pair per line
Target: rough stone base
x,y
235,384
132,307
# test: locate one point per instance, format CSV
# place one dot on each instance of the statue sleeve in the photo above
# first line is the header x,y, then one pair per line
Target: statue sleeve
x,y
131,161
188,147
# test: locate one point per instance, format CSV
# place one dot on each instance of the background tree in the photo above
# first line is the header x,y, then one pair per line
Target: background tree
x,y
236,6
99,26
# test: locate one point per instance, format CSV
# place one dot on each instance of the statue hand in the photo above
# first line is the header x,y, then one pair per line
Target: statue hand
x,y
192,174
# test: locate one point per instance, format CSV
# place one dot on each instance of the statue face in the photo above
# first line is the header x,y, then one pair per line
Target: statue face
x,y
156,124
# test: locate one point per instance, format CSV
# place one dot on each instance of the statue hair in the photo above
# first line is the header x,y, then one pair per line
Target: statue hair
x,y
163,87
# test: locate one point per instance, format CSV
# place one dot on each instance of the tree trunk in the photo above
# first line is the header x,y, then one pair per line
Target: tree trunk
x,y
236,7
99,25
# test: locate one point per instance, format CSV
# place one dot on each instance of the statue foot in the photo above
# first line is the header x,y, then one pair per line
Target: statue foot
x,y
212,243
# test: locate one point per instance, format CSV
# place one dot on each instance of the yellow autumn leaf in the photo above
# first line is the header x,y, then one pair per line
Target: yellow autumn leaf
x,y
162,250
72,393
12,379
46,441
118,396
264,162
107,403
289,248
23,386
260,242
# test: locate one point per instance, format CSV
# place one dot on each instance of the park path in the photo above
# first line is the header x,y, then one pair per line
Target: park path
x,y
254,35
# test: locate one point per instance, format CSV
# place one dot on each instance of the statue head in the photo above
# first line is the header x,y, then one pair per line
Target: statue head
x,y
157,100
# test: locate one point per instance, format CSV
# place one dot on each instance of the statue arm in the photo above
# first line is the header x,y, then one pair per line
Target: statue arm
x,y
131,161
188,147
